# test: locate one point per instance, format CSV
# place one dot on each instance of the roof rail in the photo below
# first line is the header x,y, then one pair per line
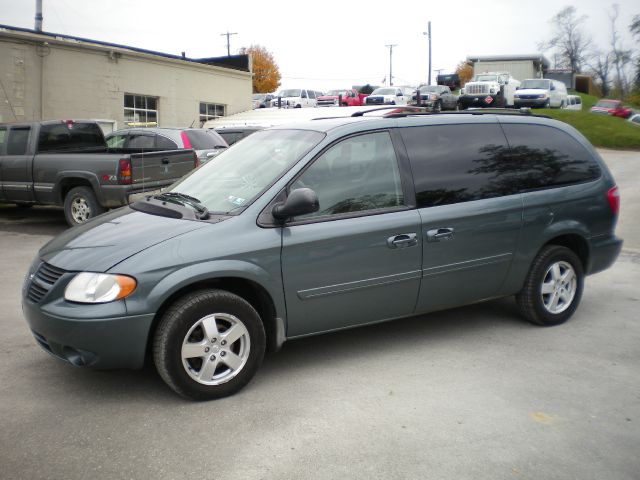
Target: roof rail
x,y
479,111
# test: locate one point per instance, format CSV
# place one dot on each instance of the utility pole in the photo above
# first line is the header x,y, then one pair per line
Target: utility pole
x,y
228,42
428,34
390,47
38,26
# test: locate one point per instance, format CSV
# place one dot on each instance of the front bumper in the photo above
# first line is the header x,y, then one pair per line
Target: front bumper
x,y
478,101
530,102
101,343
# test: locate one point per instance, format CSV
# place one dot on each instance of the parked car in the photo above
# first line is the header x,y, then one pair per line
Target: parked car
x,y
635,119
389,96
262,100
611,107
295,98
435,97
206,143
574,102
540,92
68,163
346,97
232,134
329,224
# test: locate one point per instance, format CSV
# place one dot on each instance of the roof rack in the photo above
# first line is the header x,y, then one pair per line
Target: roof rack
x,y
474,111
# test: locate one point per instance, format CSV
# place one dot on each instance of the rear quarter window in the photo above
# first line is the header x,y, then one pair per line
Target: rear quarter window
x,y
545,157
18,141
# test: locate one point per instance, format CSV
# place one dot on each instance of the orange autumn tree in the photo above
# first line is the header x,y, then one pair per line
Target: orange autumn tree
x,y
266,75
464,71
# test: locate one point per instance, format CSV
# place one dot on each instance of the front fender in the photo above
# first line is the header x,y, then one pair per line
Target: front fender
x,y
153,299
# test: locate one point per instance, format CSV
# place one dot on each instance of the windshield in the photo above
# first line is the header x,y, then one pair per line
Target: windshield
x,y
485,78
541,84
237,176
429,89
607,103
335,93
384,91
259,96
289,93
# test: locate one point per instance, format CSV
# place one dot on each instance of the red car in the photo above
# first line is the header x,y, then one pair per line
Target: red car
x,y
612,107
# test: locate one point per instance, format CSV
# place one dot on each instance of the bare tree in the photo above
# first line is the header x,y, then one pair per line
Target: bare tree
x,y
620,56
569,39
634,28
600,65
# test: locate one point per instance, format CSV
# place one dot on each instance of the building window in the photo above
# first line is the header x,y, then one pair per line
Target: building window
x,y
209,111
140,110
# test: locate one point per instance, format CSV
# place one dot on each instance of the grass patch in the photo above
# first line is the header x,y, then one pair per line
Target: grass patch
x,y
601,130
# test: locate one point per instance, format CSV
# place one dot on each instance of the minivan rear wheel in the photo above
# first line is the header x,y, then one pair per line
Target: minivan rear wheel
x,y
553,287
209,344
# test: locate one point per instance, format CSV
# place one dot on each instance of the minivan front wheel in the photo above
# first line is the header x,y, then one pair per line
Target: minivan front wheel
x,y
553,287
209,344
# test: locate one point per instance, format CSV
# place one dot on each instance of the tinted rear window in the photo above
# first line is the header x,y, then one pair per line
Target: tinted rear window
x,y
75,136
456,163
543,157
204,140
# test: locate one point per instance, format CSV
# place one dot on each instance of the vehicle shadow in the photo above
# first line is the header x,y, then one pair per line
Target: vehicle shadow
x,y
36,220
302,357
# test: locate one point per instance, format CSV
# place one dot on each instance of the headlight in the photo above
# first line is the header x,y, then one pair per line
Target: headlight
x,y
99,288
542,95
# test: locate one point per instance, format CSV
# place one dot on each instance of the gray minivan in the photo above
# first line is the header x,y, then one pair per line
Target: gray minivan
x,y
324,225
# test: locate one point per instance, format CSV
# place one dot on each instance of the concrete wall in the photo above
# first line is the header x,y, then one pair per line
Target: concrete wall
x,y
519,70
88,81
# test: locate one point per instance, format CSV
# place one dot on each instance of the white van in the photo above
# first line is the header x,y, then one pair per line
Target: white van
x,y
541,92
574,102
295,98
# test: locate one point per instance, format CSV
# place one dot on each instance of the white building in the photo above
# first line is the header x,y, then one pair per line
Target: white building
x,y
49,76
519,66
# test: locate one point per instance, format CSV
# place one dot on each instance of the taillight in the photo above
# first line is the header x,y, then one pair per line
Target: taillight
x,y
613,196
124,176
185,140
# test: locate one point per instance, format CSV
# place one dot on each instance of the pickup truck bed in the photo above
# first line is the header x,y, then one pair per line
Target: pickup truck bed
x,y
68,163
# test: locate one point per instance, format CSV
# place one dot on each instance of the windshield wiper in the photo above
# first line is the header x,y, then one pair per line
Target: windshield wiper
x,y
183,199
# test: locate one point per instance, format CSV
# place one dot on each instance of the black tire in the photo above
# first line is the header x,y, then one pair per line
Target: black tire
x,y
80,205
536,306
438,107
184,321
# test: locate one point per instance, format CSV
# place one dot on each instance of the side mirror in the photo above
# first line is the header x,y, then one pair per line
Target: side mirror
x,y
518,88
300,201
399,94
553,87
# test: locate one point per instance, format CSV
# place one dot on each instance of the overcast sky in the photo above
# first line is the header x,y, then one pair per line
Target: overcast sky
x,y
325,44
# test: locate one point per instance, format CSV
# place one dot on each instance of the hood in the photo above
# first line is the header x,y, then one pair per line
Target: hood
x,y
109,239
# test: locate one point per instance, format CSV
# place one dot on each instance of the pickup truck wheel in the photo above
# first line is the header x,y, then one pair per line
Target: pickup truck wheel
x,y
80,205
438,107
209,344
553,287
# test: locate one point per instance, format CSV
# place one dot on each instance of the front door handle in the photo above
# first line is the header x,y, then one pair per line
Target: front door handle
x,y
440,234
403,240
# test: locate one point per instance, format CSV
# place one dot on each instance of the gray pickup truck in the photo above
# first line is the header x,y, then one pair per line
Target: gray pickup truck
x,y
68,163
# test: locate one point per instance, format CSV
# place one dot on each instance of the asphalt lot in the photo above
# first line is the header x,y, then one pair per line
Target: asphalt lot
x,y
470,393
